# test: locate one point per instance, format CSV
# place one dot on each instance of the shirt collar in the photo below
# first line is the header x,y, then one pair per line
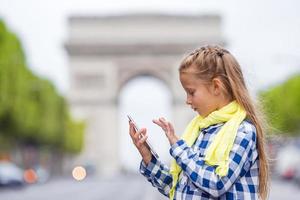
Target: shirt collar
x,y
212,128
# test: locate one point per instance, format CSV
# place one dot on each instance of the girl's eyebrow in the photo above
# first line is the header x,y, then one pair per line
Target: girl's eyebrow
x,y
189,88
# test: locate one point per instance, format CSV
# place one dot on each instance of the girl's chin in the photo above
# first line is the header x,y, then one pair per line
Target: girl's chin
x,y
202,114
198,112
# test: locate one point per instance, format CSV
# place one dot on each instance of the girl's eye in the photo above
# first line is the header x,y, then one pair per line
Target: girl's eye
x,y
191,92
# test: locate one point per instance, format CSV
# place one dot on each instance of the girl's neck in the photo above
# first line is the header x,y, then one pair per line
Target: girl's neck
x,y
223,103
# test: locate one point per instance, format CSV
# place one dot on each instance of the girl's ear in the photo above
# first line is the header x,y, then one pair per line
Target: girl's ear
x,y
217,86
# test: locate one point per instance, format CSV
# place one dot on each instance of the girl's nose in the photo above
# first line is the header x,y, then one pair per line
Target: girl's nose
x,y
188,102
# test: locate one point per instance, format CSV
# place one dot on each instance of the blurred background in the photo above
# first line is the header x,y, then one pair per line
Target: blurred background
x,y
71,72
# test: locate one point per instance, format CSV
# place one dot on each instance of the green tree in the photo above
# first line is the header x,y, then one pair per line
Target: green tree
x,y
31,110
282,106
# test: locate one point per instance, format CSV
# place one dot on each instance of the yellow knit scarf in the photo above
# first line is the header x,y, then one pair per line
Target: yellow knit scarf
x,y
218,151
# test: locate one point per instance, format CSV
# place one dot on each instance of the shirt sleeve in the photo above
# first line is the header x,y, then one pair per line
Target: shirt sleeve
x,y
158,175
203,176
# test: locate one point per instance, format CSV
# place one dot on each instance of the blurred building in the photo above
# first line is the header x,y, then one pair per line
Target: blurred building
x,y
106,52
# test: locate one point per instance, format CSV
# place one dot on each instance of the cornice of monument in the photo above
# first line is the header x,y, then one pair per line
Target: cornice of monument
x,y
96,49
142,16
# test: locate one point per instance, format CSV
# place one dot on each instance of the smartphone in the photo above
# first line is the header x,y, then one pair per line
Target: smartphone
x,y
147,142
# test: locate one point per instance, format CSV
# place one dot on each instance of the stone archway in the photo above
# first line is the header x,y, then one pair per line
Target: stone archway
x,y
106,52
144,98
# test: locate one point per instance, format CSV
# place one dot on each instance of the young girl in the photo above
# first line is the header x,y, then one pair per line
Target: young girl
x,y
221,154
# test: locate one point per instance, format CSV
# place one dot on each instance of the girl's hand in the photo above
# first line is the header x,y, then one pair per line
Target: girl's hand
x,y
168,129
139,140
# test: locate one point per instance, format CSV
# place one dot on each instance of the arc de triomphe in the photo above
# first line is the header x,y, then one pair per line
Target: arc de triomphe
x,y
106,52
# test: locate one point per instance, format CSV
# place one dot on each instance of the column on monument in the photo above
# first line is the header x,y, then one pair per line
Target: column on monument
x,y
94,93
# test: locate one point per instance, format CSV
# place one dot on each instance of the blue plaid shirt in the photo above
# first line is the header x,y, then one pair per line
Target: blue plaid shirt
x,y
199,180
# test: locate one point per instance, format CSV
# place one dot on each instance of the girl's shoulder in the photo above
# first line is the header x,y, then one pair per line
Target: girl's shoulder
x,y
247,130
247,126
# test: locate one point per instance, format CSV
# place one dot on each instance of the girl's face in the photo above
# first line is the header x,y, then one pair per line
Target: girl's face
x,y
203,98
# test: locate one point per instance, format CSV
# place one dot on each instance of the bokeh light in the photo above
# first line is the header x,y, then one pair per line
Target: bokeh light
x,y
79,173
30,176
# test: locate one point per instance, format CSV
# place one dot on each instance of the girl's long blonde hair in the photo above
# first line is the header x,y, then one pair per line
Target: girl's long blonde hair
x,y
216,62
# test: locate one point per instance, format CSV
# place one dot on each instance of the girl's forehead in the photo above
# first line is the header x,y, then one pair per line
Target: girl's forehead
x,y
188,78
190,75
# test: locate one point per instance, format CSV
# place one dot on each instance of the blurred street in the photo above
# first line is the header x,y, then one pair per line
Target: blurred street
x,y
71,74
130,187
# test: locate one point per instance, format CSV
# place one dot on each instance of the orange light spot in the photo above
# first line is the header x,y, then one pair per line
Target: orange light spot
x,y
30,176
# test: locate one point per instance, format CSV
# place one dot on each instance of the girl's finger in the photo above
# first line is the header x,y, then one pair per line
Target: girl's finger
x,y
159,124
155,121
171,127
168,130
136,136
141,141
139,134
131,129
166,124
163,121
